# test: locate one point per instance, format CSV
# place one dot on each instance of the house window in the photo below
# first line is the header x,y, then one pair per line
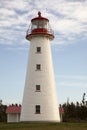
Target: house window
x,y
38,49
37,109
38,67
37,88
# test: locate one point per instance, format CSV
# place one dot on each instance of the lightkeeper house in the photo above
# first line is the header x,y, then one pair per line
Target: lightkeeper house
x,y
39,98
13,113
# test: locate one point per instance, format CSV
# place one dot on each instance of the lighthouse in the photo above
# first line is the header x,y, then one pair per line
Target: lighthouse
x,y
39,98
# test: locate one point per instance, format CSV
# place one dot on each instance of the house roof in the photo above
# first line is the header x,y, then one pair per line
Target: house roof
x,y
13,109
61,109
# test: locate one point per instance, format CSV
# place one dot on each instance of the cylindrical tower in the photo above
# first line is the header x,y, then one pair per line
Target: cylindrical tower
x,y
40,99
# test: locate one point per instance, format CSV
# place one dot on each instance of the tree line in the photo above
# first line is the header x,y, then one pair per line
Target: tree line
x,y
75,111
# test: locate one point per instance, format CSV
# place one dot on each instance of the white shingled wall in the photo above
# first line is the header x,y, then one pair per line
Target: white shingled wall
x,y
46,98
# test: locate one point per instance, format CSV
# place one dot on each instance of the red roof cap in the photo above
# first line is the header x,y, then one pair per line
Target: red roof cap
x,y
13,109
39,17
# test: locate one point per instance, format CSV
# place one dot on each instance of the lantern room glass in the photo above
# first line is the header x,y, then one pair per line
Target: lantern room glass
x,y
39,24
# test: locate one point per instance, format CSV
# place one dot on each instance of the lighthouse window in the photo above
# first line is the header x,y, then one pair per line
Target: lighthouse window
x,y
37,88
38,49
37,109
38,67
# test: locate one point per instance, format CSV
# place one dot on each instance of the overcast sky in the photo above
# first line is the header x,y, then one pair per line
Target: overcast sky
x,y
68,19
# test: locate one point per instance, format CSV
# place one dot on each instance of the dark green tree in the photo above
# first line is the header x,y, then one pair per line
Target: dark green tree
x,y
3,116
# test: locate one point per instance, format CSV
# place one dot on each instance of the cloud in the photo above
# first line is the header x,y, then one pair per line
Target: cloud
x,y
67,18
72,81
24,48
72,84
73,77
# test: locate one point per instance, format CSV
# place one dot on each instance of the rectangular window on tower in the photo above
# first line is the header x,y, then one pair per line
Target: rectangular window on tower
x,y
37,109
38,67
37,88
38,49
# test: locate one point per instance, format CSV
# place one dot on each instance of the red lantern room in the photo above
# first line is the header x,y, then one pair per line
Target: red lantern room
x,y
39,27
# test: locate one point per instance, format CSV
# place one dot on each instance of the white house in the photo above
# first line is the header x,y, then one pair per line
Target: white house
x,y
13,113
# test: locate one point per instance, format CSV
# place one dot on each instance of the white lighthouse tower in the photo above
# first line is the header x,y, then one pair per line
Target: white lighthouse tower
x,y
39,99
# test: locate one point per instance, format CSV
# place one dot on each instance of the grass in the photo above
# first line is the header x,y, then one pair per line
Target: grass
x,y
43,126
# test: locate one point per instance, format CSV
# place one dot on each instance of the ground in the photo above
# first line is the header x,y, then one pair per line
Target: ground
x,y
43,126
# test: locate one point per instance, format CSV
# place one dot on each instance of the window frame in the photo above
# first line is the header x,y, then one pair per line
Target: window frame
x,y
38,67
38,86
37,109
38,49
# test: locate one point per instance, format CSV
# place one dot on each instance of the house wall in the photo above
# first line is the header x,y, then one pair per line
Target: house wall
x,y
13,117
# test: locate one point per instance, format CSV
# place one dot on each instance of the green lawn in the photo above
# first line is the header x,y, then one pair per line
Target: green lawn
x,y
43,126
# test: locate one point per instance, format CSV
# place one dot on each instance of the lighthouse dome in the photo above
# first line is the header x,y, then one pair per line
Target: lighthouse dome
x,y
39,25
